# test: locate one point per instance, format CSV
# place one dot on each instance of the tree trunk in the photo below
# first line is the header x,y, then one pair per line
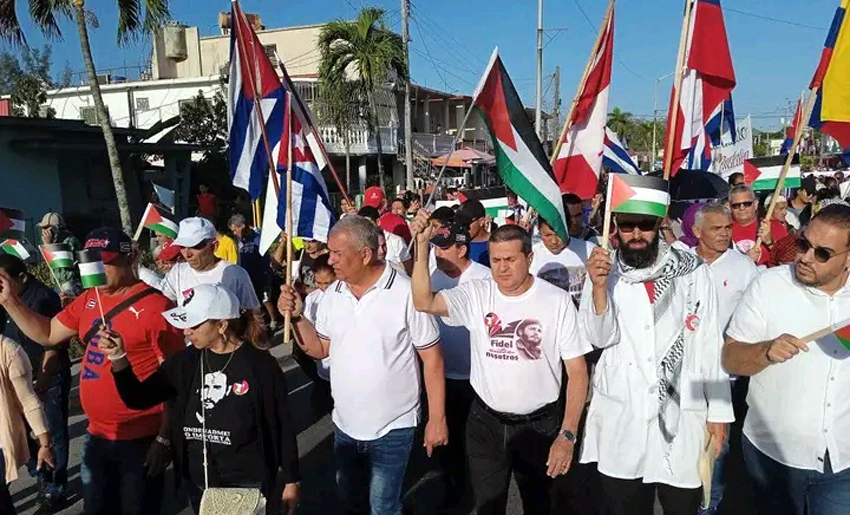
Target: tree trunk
x,y
376,123
103,119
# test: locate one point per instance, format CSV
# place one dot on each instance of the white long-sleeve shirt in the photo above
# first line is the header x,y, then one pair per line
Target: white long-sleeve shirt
x,y
623,434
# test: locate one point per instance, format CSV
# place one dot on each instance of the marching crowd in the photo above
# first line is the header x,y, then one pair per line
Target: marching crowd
x,y
598,377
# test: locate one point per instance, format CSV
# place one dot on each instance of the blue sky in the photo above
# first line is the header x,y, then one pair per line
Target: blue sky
x,y
452,40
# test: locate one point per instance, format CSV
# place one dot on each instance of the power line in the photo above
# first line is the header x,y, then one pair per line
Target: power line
x,y
774,20
436,69
593,30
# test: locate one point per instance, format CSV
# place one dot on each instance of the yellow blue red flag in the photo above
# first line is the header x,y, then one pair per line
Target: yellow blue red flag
x,y
831,112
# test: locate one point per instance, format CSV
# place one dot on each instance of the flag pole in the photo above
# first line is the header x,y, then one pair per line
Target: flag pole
x,y
798,135
142,223
568,121
252,83
52,272
287,321
606,227
673,115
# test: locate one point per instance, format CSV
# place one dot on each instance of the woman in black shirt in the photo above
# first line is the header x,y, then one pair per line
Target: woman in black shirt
x,y
226,392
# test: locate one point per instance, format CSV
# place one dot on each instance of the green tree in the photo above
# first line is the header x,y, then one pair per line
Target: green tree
x,y
27,80
135,17
337,105
621,122
367,51
203,122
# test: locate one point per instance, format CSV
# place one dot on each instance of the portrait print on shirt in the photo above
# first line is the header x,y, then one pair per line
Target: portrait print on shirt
x,y
514,341
220,397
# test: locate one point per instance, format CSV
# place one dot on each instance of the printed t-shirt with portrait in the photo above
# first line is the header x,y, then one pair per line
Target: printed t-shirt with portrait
x,y
148,340
228,392
454,341
565,270
517,343
182,278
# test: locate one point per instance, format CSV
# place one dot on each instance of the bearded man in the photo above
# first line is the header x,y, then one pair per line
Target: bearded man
x,y
658,391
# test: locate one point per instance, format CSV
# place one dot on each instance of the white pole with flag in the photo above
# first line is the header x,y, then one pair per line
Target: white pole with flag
x,y
287,131
677,85
142,223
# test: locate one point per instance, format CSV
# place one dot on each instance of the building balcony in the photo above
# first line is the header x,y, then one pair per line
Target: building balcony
x,y
362,143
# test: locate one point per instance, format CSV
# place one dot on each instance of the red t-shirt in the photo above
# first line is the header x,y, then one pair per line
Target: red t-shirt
x,y
395,224
744,237
148,339
207,204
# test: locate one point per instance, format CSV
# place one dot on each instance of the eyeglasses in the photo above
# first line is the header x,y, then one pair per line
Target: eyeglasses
x,y
822,254
644,224
743,205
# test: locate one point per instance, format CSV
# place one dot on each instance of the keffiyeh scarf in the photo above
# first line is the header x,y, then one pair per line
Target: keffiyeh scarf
x,y
670,264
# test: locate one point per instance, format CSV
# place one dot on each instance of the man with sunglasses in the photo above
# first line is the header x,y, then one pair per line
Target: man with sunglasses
x,y
196,238
658,386
746,227
797,433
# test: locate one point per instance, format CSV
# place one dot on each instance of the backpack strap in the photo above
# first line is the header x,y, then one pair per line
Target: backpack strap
x,y
117,310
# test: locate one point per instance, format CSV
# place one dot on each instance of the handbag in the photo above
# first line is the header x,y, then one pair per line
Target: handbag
x,y
226,501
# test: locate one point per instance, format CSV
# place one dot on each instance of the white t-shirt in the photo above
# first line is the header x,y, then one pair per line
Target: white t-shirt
x,y
455,340
233,277
396,249
733,272
311,308
517,343
373,347
565,270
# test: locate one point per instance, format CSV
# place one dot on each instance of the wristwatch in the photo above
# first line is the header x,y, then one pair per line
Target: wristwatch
x,y
569,435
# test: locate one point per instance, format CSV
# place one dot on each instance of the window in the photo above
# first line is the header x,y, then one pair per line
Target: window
x,y
88,114
271,53
143,104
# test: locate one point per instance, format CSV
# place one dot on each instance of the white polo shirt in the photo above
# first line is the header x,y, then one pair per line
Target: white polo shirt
x,y
455,340
373,345
517,343
733,272
798,409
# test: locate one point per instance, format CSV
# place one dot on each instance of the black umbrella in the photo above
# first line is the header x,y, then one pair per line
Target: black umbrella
x,y
697,185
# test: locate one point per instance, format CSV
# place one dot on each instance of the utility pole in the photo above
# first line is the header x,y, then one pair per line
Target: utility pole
x,y
538,111
408,135
556,109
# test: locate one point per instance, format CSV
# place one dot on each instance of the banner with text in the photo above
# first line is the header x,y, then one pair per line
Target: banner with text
x,y
729,157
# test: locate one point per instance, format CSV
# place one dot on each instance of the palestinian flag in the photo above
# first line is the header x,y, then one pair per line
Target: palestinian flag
x,y
156,220
841,330
638,195
520,158
12,224
15,248
766,177
92,273
57,256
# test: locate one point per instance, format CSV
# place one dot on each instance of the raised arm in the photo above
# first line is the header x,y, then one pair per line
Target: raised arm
x,y
597,314
424,300
39,328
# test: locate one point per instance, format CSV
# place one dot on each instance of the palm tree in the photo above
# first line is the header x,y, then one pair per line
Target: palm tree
x,y
131,24
367,50
337,106
620,122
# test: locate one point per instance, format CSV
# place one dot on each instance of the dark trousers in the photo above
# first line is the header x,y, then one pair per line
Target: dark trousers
x,y
634,497
452,457
114,478
782,490
55,400
496,449
7,506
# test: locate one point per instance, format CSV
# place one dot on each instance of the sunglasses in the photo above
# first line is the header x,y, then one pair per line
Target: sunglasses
x,y
644,224
822,254
743,205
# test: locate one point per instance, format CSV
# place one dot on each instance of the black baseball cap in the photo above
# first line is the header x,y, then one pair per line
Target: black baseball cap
x,y
470,211
448,235
111,242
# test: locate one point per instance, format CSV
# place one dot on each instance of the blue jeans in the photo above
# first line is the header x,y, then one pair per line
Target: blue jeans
x,y
371,473
55,402
717,482
782,490
115,480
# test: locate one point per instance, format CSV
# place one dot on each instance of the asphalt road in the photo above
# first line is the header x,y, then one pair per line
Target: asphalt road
x,y
315,445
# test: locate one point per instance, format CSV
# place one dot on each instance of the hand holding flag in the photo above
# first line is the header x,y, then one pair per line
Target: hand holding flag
x,y
15,248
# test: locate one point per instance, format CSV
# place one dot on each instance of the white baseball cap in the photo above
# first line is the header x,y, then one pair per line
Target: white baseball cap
x,y
193,231
201,303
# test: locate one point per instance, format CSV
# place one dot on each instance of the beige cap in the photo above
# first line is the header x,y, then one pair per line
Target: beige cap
x,y
51,219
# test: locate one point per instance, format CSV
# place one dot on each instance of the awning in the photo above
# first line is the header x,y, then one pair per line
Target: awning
x,y
465,157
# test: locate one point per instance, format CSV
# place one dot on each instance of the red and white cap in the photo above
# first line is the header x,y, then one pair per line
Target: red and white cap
x,y
201,303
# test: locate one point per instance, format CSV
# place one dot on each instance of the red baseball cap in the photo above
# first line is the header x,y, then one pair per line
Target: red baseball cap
x,y
373,196
168,252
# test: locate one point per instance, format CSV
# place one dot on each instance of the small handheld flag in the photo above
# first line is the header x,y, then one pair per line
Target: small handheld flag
x,y
92,273
638,195
12,224
15,248
57,256
842,332
157,221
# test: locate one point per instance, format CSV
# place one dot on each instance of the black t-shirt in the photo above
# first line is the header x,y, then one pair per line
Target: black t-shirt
x,y
305,269
43,301
231,404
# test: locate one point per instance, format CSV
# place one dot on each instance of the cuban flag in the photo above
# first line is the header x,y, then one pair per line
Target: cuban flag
x,y
708,79
252,79
791,131
831,111
616,157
